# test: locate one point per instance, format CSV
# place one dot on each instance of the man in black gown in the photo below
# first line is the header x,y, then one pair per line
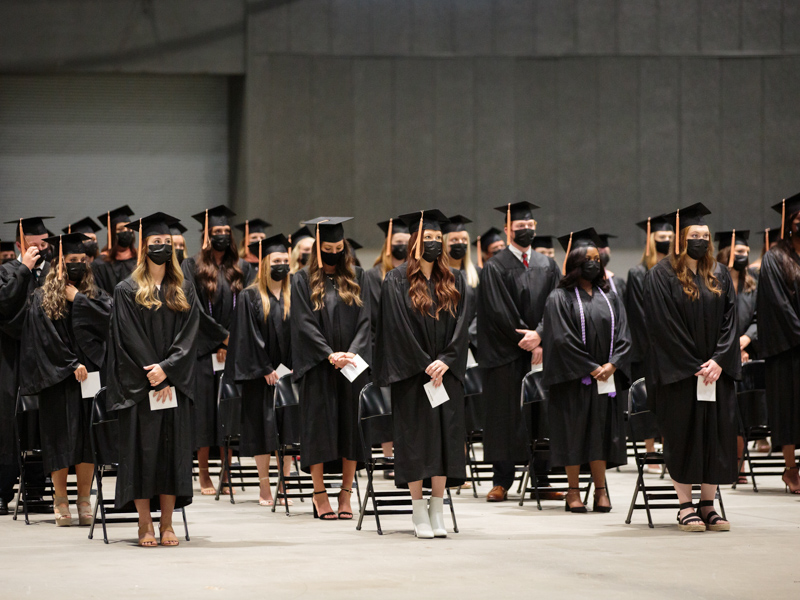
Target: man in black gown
x,y
515,284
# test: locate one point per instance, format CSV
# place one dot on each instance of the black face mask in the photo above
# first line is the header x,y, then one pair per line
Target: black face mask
x,y
458,251
399,251
45,255
431,251
278,272
740,262
180,254
125,239
5,260
90,248
220,241
303,258
696,249
590,270
76,271
332,258
159,253
524,237
662,247
605,257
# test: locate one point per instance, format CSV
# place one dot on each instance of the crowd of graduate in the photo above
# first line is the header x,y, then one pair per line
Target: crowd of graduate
x,y
158,325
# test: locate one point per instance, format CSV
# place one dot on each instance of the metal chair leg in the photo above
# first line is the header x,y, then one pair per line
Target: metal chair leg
x,y
452,511
185,524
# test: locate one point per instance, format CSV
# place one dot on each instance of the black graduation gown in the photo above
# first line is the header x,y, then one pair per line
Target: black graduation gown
x,y
216,317
474,406
256,348
328,401
746,315
107,274
17,283
509,297
51,352
778,307
699,436
373,281
584,425
155,447
428,441
618,285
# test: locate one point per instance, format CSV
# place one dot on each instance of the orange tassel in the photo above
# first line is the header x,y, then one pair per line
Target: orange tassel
x,y
260,266
60,258
319,247
141,254
647,247
108,224
783,215
23,247
766,240
389,239
508,225
480,254
205,232
569,249
247,232
418,248
733,243
677,232
69,228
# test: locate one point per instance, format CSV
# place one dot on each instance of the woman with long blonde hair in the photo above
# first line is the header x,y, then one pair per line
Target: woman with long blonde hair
x,y
694,360
64,339
300,251
260,347
151,366
330,327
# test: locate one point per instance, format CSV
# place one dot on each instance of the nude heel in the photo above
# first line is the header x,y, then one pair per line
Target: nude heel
x,y
63,518
85,511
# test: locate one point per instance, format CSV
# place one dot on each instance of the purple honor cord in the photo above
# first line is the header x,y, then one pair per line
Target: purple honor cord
x,y
587,380
211,310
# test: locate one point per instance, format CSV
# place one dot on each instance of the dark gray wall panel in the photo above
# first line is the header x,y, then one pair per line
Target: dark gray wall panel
x,y
679,26
638,26
596,26
432,27
391,27
257,172
514,25
555,27
267,27
720,25
310,26
351,27
791,27
781,124
761,25
472,27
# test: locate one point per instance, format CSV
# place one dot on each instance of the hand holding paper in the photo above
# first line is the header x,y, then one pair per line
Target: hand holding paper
x,y
354,369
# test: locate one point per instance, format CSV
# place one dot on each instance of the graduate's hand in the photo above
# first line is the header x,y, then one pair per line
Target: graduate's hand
x,y
536,356
222,353
605,371
530,339
597,371
709,371
436,371
745,356
30,258
164,395
272,378
71,291
744,342
156,376
81,373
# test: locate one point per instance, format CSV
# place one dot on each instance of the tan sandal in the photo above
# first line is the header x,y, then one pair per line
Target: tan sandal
x,y
206,491
147,536
85,511
167,541
63,517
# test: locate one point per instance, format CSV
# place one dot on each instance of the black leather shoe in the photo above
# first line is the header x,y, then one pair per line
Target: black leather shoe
x,y
3,507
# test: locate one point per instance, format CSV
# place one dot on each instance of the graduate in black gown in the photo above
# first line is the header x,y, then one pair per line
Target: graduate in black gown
x,y
118,258
88,227
514,287
151,361
300,253
616,283
7,252
772,236
330,326
18,279
64,339
218,276
423,339
253,230
586,345
778,307
659,234
487,245
178,241
690,307
260,343
543,244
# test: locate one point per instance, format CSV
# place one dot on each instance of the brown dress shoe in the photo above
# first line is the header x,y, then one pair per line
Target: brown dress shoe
x,y
545,494
497,494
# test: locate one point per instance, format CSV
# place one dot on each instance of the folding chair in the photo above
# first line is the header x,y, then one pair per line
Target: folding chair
x,y
229,420
473,388
104,434
30,496
653,496
374,404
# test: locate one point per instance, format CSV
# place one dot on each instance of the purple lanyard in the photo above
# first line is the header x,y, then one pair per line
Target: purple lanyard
x,y
211,310
588,379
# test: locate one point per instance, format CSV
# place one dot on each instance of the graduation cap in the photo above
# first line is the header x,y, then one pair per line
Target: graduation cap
x,y
158,223
354,244
544,241
516,211
604,237
654,225
69,243
419,221
213,217
687,217
300,234
85,225
728,239
389,228
771,236
7,247
261,248
786,206
122,214
252,226
489,237
177,229
328,229
457,223
29,226
579,239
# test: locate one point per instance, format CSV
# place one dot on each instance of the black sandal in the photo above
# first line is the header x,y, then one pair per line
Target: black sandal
x,y
692,521
328,516
575,509
712,520
596,507
344,515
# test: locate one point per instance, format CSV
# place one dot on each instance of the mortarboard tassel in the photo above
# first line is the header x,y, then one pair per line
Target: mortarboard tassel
x,y
783,215
678,232
319,246
260,266
766,240
418,248
247,232
205,232
647,246
508,225
480,254
60,258
389,239
733,243
566,256
141,254
69,228
108,226
23,247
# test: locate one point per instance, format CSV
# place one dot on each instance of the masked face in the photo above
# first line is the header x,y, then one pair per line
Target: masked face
x,y
76,271
45,255
431,250
332,258
590,270
180,254
220,241
524,237
303,257
399,251
159,253
458,251
279,272
696,249
662,247
125,238
740,262
6,259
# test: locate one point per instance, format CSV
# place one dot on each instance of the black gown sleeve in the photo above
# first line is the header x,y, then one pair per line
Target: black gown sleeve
x,y
248,354
90,322
778,317
309,346
498,318
361,343
211,335
566,357
455,354
727,353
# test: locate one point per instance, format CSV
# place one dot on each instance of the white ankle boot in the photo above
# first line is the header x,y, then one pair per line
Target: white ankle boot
x,y
436,513
422,522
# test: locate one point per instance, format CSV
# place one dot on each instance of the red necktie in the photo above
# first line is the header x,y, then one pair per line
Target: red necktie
x,y
525,259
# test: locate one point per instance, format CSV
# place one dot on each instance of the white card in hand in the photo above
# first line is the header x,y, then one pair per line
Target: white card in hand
x,y
156,405
537,368
282,370
91,385
352,371
218,366
436,395
607,386
706,393
471,362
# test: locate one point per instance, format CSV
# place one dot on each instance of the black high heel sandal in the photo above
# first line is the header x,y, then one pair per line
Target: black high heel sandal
x,y
596,507
575,509
691,521
345,515
712,519
324,517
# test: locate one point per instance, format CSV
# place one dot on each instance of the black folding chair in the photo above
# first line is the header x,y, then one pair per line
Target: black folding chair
x,y
375,404
287,422
229,420
30,494
653,496
476,472
104,434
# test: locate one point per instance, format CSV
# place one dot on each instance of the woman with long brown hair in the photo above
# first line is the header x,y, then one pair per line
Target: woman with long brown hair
x,y
64,339
694,358
218,276
778,307
260,343
330,327
253,231
151,362
118,258
422,341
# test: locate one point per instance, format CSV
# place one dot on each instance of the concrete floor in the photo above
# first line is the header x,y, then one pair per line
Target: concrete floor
x,y
503,551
